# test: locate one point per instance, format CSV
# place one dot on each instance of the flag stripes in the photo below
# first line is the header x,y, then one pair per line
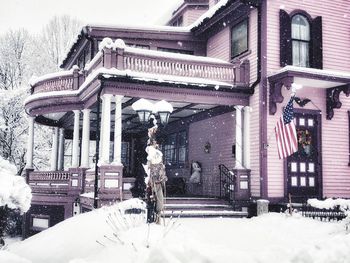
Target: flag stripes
x,y
285,131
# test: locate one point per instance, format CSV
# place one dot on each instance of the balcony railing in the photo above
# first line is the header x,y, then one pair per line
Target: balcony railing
x,y
150,62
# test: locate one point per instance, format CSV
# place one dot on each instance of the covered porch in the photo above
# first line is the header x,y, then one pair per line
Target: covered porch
x,y
209,124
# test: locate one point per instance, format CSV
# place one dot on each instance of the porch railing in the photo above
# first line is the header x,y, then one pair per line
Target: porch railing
x,y
50,182
227,184
147,61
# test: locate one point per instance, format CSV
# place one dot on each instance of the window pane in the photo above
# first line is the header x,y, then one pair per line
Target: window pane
x,y
296,53
239,38
182,138
300,28
125,153
170,149
182,155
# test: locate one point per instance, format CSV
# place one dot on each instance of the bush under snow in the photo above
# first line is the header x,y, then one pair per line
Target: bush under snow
x,y
14,192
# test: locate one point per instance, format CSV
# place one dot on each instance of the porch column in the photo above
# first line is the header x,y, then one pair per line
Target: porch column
x,y
85,148
118,130
239,138
105,128
60,165
54,150
75,150
246,137
30,145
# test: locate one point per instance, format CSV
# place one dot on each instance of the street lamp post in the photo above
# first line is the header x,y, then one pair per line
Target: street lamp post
x,y
155,169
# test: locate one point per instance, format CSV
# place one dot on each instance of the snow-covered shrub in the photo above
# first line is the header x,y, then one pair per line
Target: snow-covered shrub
x,y
15,194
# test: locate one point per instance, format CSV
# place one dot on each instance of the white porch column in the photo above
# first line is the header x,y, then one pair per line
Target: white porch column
x,y
105,128
246,137
85,148
60,165
54,150
75,150
118,130
239,138
30,145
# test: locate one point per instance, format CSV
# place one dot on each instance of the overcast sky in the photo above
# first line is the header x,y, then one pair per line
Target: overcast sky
x,y
34,14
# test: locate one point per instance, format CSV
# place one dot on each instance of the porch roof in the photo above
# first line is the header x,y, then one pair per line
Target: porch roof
x,y
333,81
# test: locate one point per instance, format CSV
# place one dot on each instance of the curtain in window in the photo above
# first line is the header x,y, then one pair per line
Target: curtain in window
x,y
301,39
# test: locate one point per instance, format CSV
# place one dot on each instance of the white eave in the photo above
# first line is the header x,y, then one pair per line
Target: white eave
x,y
313,78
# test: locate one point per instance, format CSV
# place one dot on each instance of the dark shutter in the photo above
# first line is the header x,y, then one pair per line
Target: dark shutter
x,y
316,43
285,39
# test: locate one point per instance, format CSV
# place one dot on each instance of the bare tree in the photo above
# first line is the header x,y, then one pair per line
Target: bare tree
x,y
57,37
12,62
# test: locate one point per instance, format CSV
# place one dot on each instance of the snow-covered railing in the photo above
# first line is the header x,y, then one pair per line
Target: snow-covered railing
x,y
62,80
116,55
156,62
49,176
326,210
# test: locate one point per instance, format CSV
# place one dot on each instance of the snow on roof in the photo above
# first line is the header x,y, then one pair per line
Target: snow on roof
x,y
322,72
147,77
209,14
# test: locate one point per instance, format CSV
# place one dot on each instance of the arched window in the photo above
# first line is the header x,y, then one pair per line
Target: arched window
x,y
300,41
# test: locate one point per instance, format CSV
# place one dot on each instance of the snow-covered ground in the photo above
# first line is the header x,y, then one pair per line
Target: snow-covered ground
x,y
104,236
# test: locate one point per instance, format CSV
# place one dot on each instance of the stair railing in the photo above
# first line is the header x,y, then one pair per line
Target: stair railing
x,y
227,184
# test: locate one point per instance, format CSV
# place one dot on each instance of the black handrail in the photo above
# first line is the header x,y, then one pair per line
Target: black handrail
x,y
227,184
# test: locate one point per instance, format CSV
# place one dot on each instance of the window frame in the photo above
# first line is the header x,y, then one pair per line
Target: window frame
x,y
245,19
176,149
301,40
39,216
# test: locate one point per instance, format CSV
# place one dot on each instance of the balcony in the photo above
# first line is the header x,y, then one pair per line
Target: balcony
x,y
119,59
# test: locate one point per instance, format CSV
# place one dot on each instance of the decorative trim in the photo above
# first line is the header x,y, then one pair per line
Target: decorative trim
x,y
276,92
333,101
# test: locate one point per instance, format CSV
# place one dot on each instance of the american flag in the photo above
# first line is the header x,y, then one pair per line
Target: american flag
x,y
285,131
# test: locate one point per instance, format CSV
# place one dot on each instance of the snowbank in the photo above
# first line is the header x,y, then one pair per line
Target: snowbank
x,y
14,192
271,238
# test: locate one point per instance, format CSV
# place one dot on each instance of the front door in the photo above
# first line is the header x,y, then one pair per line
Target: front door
x,y
304,166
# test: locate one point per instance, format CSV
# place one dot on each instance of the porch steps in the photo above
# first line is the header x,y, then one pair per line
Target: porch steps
x,y
199,207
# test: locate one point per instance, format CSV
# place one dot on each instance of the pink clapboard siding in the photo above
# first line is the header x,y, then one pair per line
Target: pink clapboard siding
x,y
335,149
219,132
218,46
336,56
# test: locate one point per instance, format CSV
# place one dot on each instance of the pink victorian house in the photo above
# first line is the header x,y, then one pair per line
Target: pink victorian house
x,y
226,67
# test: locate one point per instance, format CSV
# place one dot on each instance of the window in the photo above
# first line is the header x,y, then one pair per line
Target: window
x,y
175,148
178,22
239,39
40,222
138,46
300,41
170,149
173,50
125,154
182,147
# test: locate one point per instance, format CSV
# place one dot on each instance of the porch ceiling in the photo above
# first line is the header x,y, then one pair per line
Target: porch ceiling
x,y
131,123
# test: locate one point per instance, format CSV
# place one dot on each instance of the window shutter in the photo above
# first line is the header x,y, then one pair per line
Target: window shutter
x,y
316,43
285,39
